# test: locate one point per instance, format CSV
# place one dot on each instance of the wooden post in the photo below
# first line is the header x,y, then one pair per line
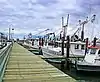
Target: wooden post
x,y
63,38
64,27
54,42
94,42
62,47
86,45
42,41
62,65
67,53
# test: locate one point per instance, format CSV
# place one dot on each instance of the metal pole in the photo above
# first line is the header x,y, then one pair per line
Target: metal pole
x,y
9,34
86,46
62,23
67,24
12,35
82,33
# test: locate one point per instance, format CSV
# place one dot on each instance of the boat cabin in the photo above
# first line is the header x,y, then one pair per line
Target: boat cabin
x,y
93,54
77,48
75,45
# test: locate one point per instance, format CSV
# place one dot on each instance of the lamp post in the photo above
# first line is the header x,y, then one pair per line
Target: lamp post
x,y
10,36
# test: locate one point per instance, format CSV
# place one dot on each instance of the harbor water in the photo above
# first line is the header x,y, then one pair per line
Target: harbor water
x,y
80,76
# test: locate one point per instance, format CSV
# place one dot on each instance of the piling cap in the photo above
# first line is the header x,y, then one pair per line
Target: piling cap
x,y
94,42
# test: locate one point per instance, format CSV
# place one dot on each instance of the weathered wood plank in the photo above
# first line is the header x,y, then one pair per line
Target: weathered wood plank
x,y
24,66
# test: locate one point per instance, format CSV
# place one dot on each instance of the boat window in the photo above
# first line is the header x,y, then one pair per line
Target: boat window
x,y
76,46
93,51
99,52
56,44
82,47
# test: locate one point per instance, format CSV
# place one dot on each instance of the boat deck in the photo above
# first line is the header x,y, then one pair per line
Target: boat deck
x,y
24,66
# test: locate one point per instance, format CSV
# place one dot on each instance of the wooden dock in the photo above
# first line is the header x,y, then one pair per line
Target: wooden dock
x,y
24,66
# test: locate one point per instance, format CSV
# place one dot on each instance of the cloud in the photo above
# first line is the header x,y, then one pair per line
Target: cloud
x,y
47,2
37,15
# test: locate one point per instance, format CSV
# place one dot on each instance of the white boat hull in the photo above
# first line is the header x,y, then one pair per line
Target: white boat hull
x,y
85,66
51,52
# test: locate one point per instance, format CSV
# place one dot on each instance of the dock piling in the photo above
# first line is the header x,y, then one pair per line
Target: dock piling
x,y
67,52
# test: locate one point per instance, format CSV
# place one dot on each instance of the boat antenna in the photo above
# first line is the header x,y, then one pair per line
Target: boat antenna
x,y
67,22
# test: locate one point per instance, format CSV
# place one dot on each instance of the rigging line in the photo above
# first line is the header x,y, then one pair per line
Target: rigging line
x,y
41,32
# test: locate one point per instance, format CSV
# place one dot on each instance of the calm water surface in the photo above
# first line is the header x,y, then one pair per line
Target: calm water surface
x,y
81,76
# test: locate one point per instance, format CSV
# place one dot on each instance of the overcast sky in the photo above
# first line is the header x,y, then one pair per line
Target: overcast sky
x,y
35,16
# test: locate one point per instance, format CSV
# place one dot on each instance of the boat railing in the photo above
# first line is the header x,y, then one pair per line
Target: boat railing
x,y
4,56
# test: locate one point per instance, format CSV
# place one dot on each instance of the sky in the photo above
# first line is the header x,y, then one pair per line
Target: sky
x,y
35,16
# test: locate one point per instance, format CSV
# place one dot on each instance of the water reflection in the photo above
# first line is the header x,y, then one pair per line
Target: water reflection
x,y
81,76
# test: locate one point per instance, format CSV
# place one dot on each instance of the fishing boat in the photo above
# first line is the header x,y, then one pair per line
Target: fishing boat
x,y
57,47
52,50
91,61
76,49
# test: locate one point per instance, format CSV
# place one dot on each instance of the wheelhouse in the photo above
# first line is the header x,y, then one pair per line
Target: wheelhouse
x,y
93,54
73,45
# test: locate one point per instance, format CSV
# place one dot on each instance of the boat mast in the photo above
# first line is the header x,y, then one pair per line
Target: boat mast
x,y
92,21
64,28
85,22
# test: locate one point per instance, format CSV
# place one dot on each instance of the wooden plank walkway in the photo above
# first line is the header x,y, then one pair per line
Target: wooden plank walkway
x,y
24,66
